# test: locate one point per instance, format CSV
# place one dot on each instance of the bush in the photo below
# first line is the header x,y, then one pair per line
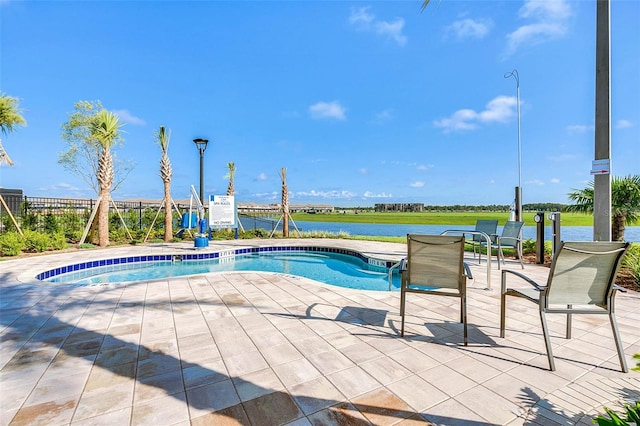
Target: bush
x,y
35,242
11,244
58,241
631,261
529,247
632,416
51,225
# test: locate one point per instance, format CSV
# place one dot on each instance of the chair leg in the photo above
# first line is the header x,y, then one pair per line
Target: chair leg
x,y
519,252
503,309
463,313
616,337
569,317
402,302
547,341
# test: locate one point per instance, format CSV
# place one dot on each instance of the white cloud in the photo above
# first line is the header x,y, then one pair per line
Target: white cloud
x,y
363,171
554,180
535,182
268,195
623,124
363,20
499,109
369,194
563,157
261,176
129,118
330,110
549,20
423,167
470,28
327,194
580,128
383,116
417,184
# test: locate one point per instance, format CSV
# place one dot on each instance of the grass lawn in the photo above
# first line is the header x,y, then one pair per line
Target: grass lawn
x,y
434,218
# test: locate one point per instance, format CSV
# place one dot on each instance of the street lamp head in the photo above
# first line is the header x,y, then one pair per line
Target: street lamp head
x,y
201,144
513,74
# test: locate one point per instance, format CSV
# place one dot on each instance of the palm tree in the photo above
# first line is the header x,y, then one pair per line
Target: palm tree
x,y
285,203
10,117
105,128
163,135
625,202
232,172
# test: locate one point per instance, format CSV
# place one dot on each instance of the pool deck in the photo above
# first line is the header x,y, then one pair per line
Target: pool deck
x,y
256,348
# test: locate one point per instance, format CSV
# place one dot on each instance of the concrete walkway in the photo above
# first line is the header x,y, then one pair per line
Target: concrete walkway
x,y
257,348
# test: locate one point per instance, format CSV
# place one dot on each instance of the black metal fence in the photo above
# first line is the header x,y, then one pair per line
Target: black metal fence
x,y
70,215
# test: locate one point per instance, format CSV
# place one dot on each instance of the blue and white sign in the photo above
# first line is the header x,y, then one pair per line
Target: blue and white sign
x,y
222,211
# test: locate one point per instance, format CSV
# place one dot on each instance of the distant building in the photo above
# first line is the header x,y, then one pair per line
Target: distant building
x,y
399,207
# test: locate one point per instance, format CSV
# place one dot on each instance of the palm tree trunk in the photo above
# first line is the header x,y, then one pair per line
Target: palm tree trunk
x,y
285,204
103,217
168,213
617,227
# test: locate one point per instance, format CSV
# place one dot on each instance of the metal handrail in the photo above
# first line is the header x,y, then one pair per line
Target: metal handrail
x,y
487,238
397,265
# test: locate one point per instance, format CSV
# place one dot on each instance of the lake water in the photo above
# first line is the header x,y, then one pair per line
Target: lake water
x,y
567,233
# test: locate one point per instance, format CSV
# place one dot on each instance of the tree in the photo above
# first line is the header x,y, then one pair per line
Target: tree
x,y
625,202
166,172
105,130
81,157
285,203
10,117
232,172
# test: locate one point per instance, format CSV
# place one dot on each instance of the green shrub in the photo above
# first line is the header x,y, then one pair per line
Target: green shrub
x,y
36,242
11,244
614,419
86,246
58,241
631,261
51,225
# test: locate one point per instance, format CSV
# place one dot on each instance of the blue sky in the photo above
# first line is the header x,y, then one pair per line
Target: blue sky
x,y
362,102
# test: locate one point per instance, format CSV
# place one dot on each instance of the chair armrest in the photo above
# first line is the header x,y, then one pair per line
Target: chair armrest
x,y
467,271
621,289
523,277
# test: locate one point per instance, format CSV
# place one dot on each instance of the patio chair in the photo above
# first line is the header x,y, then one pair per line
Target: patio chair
x,y
510,238
581,281
489,227
434,266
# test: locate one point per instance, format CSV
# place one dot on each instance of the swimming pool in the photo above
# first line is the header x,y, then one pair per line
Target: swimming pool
x,y
340,267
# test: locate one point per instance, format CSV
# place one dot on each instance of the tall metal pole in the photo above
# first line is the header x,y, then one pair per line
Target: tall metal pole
x,y
515,75
602,181
201,144
202,176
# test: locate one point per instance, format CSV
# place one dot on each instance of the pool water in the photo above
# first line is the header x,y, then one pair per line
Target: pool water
x,y
330,268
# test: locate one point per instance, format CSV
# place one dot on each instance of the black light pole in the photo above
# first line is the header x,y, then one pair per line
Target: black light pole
x,y
201,144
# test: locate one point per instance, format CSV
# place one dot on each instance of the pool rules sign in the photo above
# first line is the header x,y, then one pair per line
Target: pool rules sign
x,y
222,211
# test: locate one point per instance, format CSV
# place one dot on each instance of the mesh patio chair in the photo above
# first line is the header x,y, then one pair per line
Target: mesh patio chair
x,y
510,238
581,281
434,266
489,227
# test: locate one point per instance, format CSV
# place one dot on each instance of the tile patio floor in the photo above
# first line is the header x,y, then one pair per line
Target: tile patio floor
x,y
258,348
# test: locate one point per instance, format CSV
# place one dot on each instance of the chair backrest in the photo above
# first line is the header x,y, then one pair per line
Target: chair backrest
x,y
487,226
436,261
583,272
511,233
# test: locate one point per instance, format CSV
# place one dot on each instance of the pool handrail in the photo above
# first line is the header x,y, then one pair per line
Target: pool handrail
x,y
483,235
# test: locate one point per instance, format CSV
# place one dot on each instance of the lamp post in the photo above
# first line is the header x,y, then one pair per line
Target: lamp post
x,y
201,144
515,75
